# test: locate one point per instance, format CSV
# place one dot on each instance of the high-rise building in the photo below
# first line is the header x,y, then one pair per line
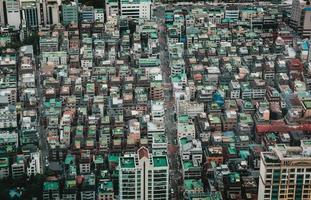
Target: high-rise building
x,y
2,21
52,12
70,13
31,15
285,172
13,14
300,17
143,176
135,8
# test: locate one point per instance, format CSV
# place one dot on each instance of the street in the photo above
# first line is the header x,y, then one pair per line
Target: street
x,y
170,124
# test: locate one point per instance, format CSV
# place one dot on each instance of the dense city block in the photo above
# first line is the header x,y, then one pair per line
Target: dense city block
x,y
143,100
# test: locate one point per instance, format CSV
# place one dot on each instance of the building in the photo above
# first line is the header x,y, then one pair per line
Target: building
x,y
31,13
4,168
34,164
88,187
105,190
143,176
285,173
111,8
51,190
87,13
300,17
99,15
18,167
13,14
135,8
2,18
70,13
52,12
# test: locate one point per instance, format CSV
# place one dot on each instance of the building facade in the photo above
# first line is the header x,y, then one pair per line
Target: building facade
x,y
300,17
143,176
135,8
70,13
13,14
285,173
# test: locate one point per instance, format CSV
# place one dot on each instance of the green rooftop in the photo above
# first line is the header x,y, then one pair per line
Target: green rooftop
x,y
159,161
149,62
50,185
232,149
307,104
127,162
99,159
183,140
244,154
234,177
192,184
187,164
271,136
183,118
70,184
106,186
113,158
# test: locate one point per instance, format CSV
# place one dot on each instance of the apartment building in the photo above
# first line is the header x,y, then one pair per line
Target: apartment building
x,y
143,176
285,172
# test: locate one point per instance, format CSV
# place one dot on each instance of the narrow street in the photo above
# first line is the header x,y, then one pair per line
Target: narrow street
x,y
170,123
41,130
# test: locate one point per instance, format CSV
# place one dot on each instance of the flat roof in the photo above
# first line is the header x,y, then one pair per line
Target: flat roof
x,y
159,161
191,184
187,164
127,162
50,185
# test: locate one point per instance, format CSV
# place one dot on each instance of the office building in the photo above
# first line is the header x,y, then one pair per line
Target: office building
x,y
143,176
31,15
52,12
135,8
13,14
285,172
70,13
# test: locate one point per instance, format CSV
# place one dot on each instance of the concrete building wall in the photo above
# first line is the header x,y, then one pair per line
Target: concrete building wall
x,y
13,13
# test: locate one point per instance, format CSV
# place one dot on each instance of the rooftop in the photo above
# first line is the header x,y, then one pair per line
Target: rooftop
x,y
192,184
127,162
160,161
50,185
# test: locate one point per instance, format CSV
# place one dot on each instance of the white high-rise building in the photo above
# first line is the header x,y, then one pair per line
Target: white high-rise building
x,y
157,112
285,173
52,12
13,13
2,21
135,8
34,165
143,176
300,17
